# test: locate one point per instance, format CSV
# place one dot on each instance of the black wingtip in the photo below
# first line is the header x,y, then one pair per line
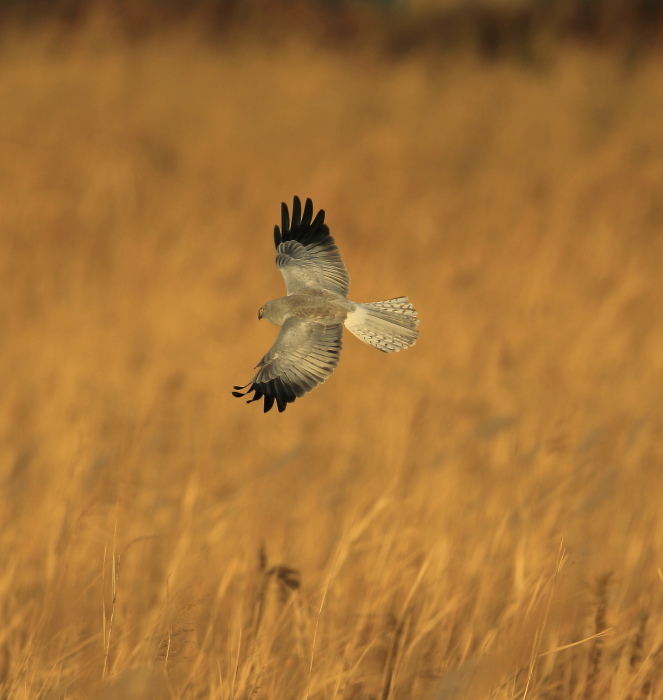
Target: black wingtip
x,y
274,392
319,219
302,226
289,224
285,219
296,221
308,212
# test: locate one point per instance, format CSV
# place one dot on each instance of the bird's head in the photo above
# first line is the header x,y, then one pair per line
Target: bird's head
x,y
275,311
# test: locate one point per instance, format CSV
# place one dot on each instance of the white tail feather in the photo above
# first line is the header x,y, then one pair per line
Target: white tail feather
x,y
389,325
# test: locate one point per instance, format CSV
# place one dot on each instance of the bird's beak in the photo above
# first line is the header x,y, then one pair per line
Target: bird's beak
x,y
259,314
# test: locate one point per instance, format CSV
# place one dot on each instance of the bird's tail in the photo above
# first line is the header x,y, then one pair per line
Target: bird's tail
x,y
389,325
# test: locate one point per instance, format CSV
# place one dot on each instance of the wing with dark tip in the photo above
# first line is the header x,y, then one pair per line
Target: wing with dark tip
x,y
304,355
305,252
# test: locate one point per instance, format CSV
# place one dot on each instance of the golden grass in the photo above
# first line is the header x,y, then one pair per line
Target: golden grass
x,y
477,517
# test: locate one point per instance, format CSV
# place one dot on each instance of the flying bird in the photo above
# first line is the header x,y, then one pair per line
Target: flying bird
x,y
313,313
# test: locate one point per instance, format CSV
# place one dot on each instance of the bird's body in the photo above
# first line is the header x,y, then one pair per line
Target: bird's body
x,y
311,304
315,310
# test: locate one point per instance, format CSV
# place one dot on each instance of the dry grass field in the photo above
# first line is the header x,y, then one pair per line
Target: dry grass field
x,y
478,517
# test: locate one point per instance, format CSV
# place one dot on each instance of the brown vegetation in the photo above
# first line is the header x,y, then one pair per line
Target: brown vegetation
x,y
477,517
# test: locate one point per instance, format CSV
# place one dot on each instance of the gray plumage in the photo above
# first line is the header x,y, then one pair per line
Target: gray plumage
x,y
313,314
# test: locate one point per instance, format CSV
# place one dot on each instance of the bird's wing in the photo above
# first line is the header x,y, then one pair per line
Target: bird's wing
x,y
305,252
304,355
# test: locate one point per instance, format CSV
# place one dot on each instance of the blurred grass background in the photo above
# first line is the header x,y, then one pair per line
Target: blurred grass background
x,y
462,520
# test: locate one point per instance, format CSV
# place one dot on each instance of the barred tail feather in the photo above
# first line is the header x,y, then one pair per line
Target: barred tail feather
x,y
389,325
